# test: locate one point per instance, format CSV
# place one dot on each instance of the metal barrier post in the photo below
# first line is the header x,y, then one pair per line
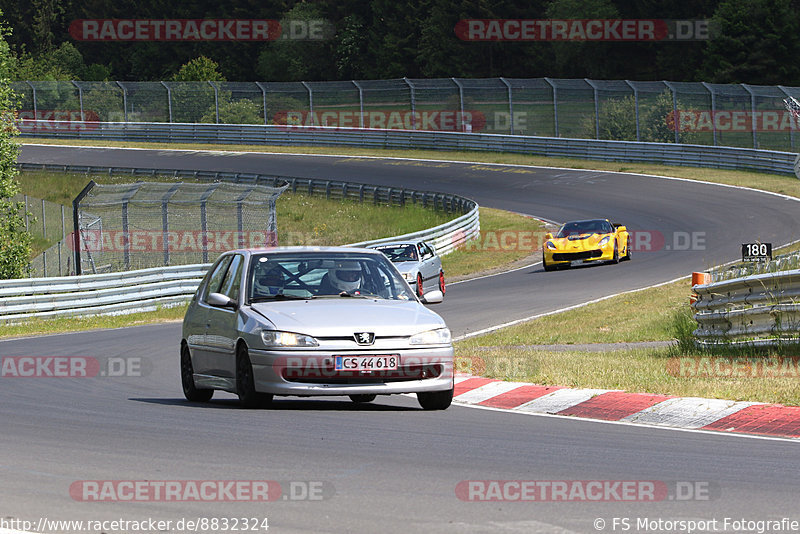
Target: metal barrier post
x,y
713,110
510,104
555,104
596,109
675,110
752,113
413,103
360,103
635,106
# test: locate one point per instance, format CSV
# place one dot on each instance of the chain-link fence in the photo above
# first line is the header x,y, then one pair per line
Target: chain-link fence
x,y
737,115
48,224
150,224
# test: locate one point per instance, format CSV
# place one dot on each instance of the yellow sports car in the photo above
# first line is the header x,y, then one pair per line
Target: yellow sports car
x,y
583,242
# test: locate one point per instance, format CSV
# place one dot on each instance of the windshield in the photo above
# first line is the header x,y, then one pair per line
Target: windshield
x,y
585,227
306,275
399,253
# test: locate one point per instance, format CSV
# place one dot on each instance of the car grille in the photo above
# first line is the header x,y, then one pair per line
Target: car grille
x,y
330,376
573,256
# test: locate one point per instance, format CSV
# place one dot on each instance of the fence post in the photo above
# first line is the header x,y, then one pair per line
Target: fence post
x,y
713,111
596,109
125,103
752,113
310,99
216,99
555,104
169,101
264,97
791,130
635,106
461,100
360,103
510,104
80,99
413,103
674,110
44,221
35,109
25,198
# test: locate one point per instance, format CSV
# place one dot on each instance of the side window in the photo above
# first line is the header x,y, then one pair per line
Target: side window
x,y
426,251
215,280
233,279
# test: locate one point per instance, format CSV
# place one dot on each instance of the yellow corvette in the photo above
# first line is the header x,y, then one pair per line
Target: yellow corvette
x,y
584,242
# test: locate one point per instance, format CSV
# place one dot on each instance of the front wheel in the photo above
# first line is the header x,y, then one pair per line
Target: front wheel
x,y
245,382
615,259
190,391
627,255
435,400
362,398
420,291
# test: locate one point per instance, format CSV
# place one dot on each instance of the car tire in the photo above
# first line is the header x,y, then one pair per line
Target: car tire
x,y
442,287
435,400
245,382
547,267
362,398
615,259
190,391
627,255
420,291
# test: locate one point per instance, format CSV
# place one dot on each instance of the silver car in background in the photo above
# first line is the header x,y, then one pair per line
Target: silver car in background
x,y
418,262
310,322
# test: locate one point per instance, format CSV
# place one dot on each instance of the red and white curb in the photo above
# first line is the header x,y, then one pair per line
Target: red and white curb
x,y
640,408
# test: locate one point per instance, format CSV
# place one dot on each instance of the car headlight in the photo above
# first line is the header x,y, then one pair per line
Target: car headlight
x,y
409,277
276,338
604,241
440,336
550,245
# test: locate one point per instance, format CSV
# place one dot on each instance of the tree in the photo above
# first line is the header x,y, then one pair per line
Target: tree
x,y
194,96
15,242
755,42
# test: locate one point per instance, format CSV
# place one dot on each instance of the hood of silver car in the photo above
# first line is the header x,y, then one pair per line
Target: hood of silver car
x,y
342,316
407,266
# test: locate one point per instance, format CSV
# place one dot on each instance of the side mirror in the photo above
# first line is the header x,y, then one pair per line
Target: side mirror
x,y
432,297
219,300
548,235
622,228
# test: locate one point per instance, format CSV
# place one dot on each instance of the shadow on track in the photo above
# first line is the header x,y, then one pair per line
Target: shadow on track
x,y
285,404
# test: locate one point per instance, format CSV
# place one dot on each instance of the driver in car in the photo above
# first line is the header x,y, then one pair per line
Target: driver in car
x,y
344,277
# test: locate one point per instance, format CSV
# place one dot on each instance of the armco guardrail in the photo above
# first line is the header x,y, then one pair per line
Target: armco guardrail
x,y
627,151
761,309
146,289
96,294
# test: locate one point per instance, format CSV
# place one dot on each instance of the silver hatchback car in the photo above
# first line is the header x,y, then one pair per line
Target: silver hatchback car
x,y
313,321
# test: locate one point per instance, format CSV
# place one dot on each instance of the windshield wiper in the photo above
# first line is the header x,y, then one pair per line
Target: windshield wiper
x,y
281,296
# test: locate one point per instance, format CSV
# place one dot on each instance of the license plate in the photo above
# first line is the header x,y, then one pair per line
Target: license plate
x,y
367,363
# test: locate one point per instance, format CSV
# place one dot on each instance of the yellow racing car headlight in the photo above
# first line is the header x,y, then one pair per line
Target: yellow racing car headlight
x,y
603,242
550,245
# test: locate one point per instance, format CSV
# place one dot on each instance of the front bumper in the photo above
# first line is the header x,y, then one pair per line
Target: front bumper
x,y
563,257
311,373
